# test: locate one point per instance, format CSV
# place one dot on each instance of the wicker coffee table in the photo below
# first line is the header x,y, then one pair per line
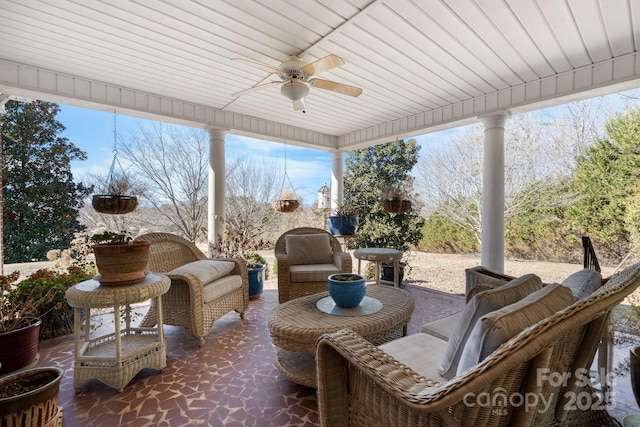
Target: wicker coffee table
x,y
296,325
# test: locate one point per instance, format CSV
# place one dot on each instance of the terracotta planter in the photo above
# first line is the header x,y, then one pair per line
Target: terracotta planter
x,y
35,408
19,348
114,204
121,263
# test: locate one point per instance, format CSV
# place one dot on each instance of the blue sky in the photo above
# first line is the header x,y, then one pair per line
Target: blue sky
x,y
92,132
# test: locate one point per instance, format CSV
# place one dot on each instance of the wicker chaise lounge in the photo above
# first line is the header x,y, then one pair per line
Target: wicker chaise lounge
x,y
362,385
190,303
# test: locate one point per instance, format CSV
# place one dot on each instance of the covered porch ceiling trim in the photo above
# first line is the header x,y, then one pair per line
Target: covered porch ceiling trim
x,y
597,79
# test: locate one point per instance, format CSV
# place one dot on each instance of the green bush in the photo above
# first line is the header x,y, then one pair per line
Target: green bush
x,y
56,314
441,235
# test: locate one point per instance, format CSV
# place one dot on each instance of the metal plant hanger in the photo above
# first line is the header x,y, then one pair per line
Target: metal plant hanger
x,y
287,202
115,201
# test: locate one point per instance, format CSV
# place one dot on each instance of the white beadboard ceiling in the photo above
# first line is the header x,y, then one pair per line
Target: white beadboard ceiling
x,y
423,65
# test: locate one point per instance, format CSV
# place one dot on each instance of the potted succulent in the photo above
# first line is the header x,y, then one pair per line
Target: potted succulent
x,y
394,200
120,260
287,202
343,221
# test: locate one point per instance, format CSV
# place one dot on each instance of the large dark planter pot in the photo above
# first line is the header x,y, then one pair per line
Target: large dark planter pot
x,y
388,270
121,263
347,293
256,281
19,348
342,225
35,408
634,358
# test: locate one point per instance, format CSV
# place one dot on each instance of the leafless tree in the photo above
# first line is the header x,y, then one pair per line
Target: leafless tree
x,y
173,165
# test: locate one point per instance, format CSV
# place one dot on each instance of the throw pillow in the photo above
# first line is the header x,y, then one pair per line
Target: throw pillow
x,y
497,327
308,249
478,306
583,283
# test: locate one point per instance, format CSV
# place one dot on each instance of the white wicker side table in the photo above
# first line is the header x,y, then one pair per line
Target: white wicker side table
x,y
116,357
380,255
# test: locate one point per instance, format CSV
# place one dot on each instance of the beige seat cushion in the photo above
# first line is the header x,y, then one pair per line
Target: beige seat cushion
x,y
481,304
206,270
308,249
582,283
497,327
221,287
443,327
311,272
421,352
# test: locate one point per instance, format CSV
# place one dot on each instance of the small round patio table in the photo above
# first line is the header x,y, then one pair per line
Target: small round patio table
x,y
379,256
296,325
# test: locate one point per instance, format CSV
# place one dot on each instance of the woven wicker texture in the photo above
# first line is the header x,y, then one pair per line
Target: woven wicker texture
x,y
288,290
296,325
359,385
184,304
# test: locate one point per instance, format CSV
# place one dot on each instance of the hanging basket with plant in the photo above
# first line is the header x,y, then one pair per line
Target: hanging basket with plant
x,y
114,199
287,202
393,200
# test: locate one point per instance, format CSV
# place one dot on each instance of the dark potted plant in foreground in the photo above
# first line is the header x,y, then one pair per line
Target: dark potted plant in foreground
x,y
347,289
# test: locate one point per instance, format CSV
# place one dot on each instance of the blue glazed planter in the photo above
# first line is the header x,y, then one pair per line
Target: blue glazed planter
x,y
349,293
256,281
342,225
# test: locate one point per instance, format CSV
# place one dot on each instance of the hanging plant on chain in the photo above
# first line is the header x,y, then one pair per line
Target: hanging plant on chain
x,y
287,202
114,198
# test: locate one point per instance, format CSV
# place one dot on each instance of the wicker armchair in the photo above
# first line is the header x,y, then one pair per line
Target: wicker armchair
x,y
185,304
296,280
361,385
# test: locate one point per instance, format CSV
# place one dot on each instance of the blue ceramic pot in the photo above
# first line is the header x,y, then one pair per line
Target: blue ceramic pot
x,y
347,293
342,225
256,281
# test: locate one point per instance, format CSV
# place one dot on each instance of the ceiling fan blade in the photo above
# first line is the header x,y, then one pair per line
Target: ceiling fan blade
x,y
253,89
336,87
323,64
299,105
260,65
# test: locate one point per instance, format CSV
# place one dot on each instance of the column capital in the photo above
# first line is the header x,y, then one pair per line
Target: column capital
x,y
494,120
216,132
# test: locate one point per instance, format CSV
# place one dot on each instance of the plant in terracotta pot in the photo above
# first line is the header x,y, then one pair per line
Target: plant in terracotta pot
x,y
120,260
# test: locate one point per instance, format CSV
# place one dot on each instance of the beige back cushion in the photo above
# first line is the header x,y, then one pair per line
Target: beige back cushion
x,y
481,304
497,327
308,249
583,283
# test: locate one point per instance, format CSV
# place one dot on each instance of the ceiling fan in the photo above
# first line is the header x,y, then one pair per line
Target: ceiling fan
x,y
297,77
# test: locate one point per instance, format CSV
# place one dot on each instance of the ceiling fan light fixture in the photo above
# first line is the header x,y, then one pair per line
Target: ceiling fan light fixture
x,y
294,90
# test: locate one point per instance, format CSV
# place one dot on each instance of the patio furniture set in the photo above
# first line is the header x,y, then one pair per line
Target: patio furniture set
x,y
491,364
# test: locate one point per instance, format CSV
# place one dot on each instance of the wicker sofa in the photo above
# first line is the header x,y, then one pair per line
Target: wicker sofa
x,y
360,384
202,290
306,257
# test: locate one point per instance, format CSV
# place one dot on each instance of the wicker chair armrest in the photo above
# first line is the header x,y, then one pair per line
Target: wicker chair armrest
x,y
338,353
343,261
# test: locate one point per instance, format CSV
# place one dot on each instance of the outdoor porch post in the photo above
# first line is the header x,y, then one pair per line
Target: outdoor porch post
x,y
337,183
492,222
215,206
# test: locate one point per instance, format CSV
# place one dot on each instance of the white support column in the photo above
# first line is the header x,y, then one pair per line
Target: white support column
x,y
215,206
492,223
337,182
4,98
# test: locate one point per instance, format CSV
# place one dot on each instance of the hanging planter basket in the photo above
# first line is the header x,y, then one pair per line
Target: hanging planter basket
x,y
286,206
396,206
114,204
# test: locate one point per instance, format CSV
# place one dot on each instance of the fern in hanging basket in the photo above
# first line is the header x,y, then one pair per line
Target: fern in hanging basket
x,y
287,202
